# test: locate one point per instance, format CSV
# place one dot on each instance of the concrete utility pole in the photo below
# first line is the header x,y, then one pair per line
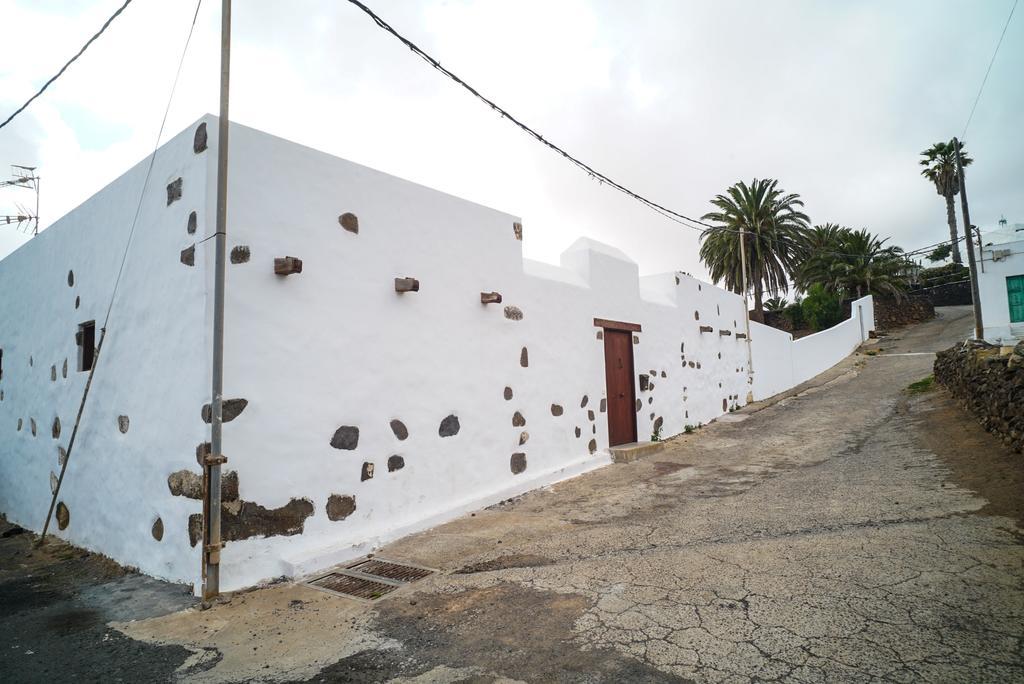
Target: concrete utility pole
x,y
211,504
979,329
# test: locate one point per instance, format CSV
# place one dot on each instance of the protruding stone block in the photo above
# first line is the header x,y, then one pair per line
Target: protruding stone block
x,y
517,230
706,329
407,285
287,265
725,333
490,298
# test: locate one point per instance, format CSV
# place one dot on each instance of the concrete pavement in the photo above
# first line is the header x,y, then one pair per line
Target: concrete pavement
x,y
838,534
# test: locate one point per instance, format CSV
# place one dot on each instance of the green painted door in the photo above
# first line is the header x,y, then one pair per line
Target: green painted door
x,y
1015,293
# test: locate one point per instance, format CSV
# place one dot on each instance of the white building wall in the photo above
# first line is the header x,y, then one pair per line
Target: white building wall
x,y
336,346
153,367
995,305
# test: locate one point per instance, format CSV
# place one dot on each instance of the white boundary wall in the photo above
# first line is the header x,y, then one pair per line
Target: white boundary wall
x,y
780,362
336,346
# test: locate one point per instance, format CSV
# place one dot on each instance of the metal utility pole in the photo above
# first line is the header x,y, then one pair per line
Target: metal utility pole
x,y
746,317
211,503
979,329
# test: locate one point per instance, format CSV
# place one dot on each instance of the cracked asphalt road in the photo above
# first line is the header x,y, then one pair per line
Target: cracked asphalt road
x,y
837,534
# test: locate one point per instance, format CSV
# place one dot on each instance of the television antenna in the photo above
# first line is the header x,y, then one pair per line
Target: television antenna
x,y
23,177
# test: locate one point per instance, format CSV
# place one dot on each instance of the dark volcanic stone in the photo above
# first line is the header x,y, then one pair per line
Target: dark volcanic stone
x,y
449,426
345,437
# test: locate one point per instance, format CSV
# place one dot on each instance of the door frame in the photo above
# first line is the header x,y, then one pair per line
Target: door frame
x,y
1009,304
629,328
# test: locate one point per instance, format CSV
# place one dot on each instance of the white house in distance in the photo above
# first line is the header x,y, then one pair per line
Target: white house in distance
x,y
412,367
1001,283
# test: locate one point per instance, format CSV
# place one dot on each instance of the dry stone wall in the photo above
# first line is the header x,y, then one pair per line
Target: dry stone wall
x,y
988,384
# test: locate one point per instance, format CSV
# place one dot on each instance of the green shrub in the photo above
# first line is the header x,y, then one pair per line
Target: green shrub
x,y
821,308
794,313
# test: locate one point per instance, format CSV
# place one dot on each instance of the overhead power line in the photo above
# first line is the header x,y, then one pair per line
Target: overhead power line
x,y
683,219
78,54
989,69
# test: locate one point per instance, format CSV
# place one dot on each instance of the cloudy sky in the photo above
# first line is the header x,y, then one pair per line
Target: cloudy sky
x,y
676,99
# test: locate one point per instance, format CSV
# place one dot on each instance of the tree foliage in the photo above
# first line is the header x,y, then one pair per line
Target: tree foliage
x,y
773,224
939,162
851,263
821,309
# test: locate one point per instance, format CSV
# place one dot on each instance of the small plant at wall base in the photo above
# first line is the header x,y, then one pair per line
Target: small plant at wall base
x,y
921,386
656,434
821,308
688,428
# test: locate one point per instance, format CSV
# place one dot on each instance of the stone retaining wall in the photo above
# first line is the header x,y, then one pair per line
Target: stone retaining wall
x,y
895,313
989,385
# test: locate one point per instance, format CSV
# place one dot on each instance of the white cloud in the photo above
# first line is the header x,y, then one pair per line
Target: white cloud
x,y
675,99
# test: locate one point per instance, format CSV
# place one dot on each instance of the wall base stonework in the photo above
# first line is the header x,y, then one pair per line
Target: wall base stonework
x,y
989,385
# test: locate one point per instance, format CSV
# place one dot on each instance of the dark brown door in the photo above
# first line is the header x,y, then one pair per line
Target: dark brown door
x,y
618,369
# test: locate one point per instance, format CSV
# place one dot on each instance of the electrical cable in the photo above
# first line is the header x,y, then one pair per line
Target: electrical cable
x,y
664,211
679,218
989,69
68,63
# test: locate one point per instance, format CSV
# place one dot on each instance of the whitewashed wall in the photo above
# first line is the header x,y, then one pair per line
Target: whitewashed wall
x,y
995,306
781,362
336,346
153,368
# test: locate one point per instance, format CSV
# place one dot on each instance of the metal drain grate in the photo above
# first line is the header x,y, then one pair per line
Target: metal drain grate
x,y
369,579
349,585
396,571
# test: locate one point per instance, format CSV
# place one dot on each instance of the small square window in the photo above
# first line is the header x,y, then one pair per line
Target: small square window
x,y
86,339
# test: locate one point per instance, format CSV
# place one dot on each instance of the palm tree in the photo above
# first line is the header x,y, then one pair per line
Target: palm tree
x,y
864,265
773,226
815,254
775,304
940,168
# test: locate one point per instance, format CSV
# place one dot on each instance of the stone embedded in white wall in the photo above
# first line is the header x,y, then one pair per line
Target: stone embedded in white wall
x,y
395,463
229,410
200,138
398,427
518,420
349,222
346,437
556,410
524,358
449,426
517,463
122,424
367,472
191,226
240,254
340,506
158,529
174,191
188,255
490,298
63,516
513,313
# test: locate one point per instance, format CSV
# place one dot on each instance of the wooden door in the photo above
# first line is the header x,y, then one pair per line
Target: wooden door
x,y
618,368
1015,297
